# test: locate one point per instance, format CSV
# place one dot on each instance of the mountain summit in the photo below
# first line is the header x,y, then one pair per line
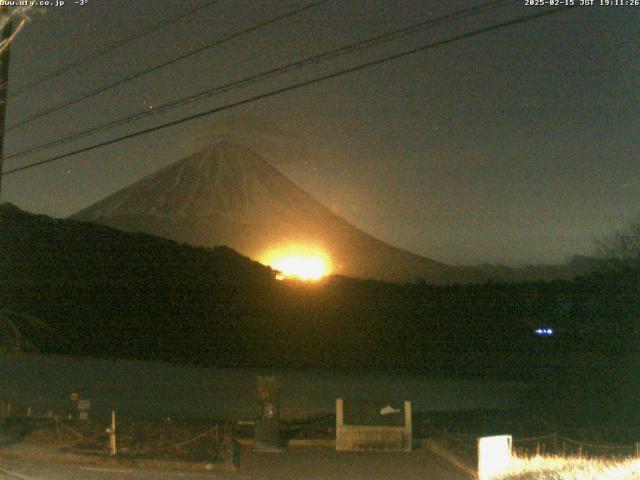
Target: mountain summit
x,y
228,195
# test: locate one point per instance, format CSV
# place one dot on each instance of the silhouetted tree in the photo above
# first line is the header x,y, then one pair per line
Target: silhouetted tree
x,y
621,249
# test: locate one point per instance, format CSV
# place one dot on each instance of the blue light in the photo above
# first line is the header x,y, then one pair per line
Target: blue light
x,y
545,332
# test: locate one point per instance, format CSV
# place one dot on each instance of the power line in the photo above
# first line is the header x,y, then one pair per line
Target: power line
x,y
314,59
296,86
174,60
124,42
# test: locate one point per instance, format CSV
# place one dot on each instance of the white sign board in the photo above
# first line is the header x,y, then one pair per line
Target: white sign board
x,y
494,456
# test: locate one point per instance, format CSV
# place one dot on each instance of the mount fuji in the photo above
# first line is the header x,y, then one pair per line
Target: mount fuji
x,y
228,195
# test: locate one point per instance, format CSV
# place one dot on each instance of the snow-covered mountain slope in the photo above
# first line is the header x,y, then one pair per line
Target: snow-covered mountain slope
x,y
228,195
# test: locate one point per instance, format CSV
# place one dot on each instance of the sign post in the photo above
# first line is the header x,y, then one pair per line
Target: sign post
x,y
267,433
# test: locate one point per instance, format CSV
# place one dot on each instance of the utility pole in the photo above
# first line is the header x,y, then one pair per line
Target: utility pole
x,y
4,87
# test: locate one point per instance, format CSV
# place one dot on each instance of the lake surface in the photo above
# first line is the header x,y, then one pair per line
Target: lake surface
x,y
160,390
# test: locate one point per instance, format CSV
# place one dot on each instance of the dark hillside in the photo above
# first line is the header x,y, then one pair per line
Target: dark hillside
x,y
105,292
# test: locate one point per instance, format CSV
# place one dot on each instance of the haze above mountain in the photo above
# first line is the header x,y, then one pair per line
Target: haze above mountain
x,y
226,194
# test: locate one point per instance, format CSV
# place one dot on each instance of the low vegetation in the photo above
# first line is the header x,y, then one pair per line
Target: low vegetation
x,y
571,468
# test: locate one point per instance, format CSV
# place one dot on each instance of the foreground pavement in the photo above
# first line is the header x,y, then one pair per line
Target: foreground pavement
x,y
327,464
292,464
39,470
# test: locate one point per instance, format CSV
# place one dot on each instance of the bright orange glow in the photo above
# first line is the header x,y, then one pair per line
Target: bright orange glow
x,y
298,263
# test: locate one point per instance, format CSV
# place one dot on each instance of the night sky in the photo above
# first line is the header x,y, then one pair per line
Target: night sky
x,y
516,146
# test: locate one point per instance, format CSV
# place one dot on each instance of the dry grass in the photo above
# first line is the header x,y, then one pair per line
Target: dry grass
x,y
571,468
151,439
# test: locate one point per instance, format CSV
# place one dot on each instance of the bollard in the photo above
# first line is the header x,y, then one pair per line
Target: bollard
x,y
235,459
233,452
495,453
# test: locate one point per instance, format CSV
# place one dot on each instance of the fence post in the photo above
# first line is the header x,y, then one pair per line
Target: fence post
x,y
637,449
555,443
112,435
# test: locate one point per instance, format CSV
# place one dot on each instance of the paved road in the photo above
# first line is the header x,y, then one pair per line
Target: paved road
x,y
302,464
39,470
327,464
